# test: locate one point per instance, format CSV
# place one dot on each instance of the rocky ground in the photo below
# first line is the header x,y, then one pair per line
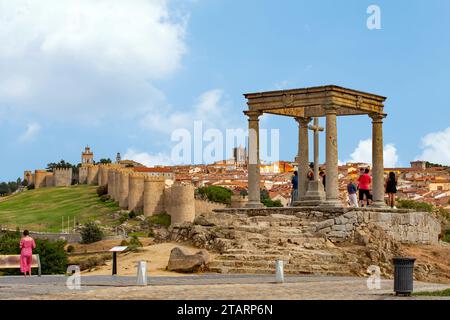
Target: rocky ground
x,y
252,244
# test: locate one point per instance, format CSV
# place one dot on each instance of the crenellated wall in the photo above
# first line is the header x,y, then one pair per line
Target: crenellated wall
x,y
40,178
136,192
82,175
180,203
62,177
92,177
154,188
123,188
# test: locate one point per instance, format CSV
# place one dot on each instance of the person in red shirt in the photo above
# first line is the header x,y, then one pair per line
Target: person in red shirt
x,y
364,181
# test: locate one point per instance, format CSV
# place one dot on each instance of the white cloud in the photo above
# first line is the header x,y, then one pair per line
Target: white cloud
x,y
436,147
363,153
147,159
87,58
31,132
210,108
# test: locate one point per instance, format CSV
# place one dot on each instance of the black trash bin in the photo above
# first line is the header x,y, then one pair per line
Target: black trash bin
x,y
403,275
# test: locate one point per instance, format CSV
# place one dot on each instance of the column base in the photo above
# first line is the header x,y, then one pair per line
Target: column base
x,y
315,192
254,204
334,203
378,204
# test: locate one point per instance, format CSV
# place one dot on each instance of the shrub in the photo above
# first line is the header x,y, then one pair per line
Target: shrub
x,y
151,234
31,186
102,190
134,244
272,204
70,249
411,204
162,219
124,243
91,233
52,255
124,217
447,236
105,197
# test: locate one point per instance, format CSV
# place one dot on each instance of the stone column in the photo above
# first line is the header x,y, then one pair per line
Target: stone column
x,y
377,160
331,182
254,197
303,156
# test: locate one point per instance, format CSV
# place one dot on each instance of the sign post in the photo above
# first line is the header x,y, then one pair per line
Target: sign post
x,y
114,251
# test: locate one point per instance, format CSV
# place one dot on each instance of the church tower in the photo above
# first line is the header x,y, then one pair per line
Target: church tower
x,y
118,157
87,157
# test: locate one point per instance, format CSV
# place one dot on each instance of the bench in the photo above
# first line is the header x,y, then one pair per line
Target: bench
x,y
13,262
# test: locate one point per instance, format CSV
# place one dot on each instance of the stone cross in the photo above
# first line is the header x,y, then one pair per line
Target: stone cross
x,y
316,129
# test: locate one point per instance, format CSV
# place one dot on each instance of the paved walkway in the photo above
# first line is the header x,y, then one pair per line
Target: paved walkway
x,y
202,287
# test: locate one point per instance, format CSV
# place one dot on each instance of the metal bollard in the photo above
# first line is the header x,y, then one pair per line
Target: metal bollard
x,y
403,275
142,273
279,272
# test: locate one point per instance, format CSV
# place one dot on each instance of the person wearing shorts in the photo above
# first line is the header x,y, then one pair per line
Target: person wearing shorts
x,y
364,187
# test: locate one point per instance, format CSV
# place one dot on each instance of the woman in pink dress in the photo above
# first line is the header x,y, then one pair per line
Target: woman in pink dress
x,y
27,245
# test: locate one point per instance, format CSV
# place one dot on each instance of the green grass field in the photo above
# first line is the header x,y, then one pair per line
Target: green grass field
x,y
43,209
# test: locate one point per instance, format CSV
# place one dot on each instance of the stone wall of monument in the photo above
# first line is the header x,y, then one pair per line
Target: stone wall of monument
x,y
180,203
154,188
111,182
62,177
205,206
92,177
82,175
49,180
28,175
343,224
40,178
136,192
123,188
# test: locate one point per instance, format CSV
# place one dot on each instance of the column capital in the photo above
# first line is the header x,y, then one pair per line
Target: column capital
x,y
330,108
377,117
303,121
253,115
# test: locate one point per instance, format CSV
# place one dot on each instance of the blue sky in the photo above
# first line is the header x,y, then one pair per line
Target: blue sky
x,y
122,76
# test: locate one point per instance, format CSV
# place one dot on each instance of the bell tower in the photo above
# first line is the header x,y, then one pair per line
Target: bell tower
x,y
87,157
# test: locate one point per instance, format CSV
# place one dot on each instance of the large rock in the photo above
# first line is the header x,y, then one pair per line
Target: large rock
x,y
180,261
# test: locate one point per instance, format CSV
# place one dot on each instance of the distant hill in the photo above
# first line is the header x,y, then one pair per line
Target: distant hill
x,y
43,209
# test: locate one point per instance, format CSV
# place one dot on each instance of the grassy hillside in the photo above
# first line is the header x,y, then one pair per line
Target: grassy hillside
x,y
42,209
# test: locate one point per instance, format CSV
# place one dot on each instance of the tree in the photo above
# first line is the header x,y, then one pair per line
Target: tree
x,y
91,233
105,161
216,194
265,199
433,165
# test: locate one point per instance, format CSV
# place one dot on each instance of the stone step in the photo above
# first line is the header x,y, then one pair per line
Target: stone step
x,y
287,271
252,257
289,264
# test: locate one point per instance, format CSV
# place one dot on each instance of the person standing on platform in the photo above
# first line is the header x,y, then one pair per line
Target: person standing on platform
x,y
364,181
27,245
294,181
351,189
391,188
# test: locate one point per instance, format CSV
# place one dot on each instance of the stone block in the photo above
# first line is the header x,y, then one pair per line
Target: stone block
x,y
325,224
339,227
349,227
350,215
338,234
